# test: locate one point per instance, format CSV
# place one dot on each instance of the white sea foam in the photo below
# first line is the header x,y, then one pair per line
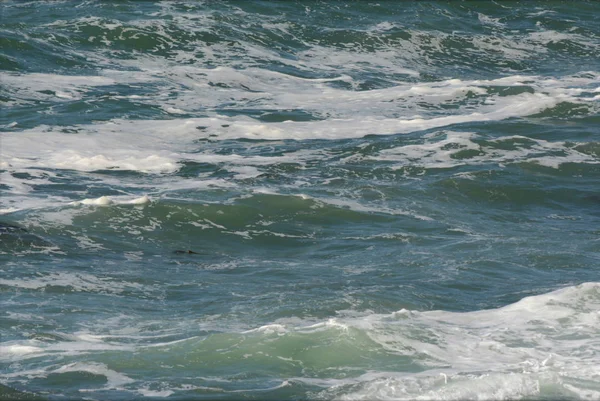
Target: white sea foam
x,y
269,329
437,153
13,350
154,393
114,379
510,352
144,146
103,150
9,210
38,86
76,281
541,346
108,200
441,149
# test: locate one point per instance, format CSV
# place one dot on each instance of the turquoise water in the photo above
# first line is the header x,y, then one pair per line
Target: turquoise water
x,y
300,200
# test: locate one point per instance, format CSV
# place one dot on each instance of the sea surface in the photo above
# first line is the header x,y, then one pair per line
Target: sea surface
x,y
300,200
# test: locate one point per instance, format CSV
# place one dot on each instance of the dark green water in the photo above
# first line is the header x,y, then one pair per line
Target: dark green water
x,y
300,200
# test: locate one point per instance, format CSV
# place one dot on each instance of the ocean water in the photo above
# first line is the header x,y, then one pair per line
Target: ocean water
x,y
300,200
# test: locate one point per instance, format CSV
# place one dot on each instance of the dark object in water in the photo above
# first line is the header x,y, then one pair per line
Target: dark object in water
x,y
188,252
